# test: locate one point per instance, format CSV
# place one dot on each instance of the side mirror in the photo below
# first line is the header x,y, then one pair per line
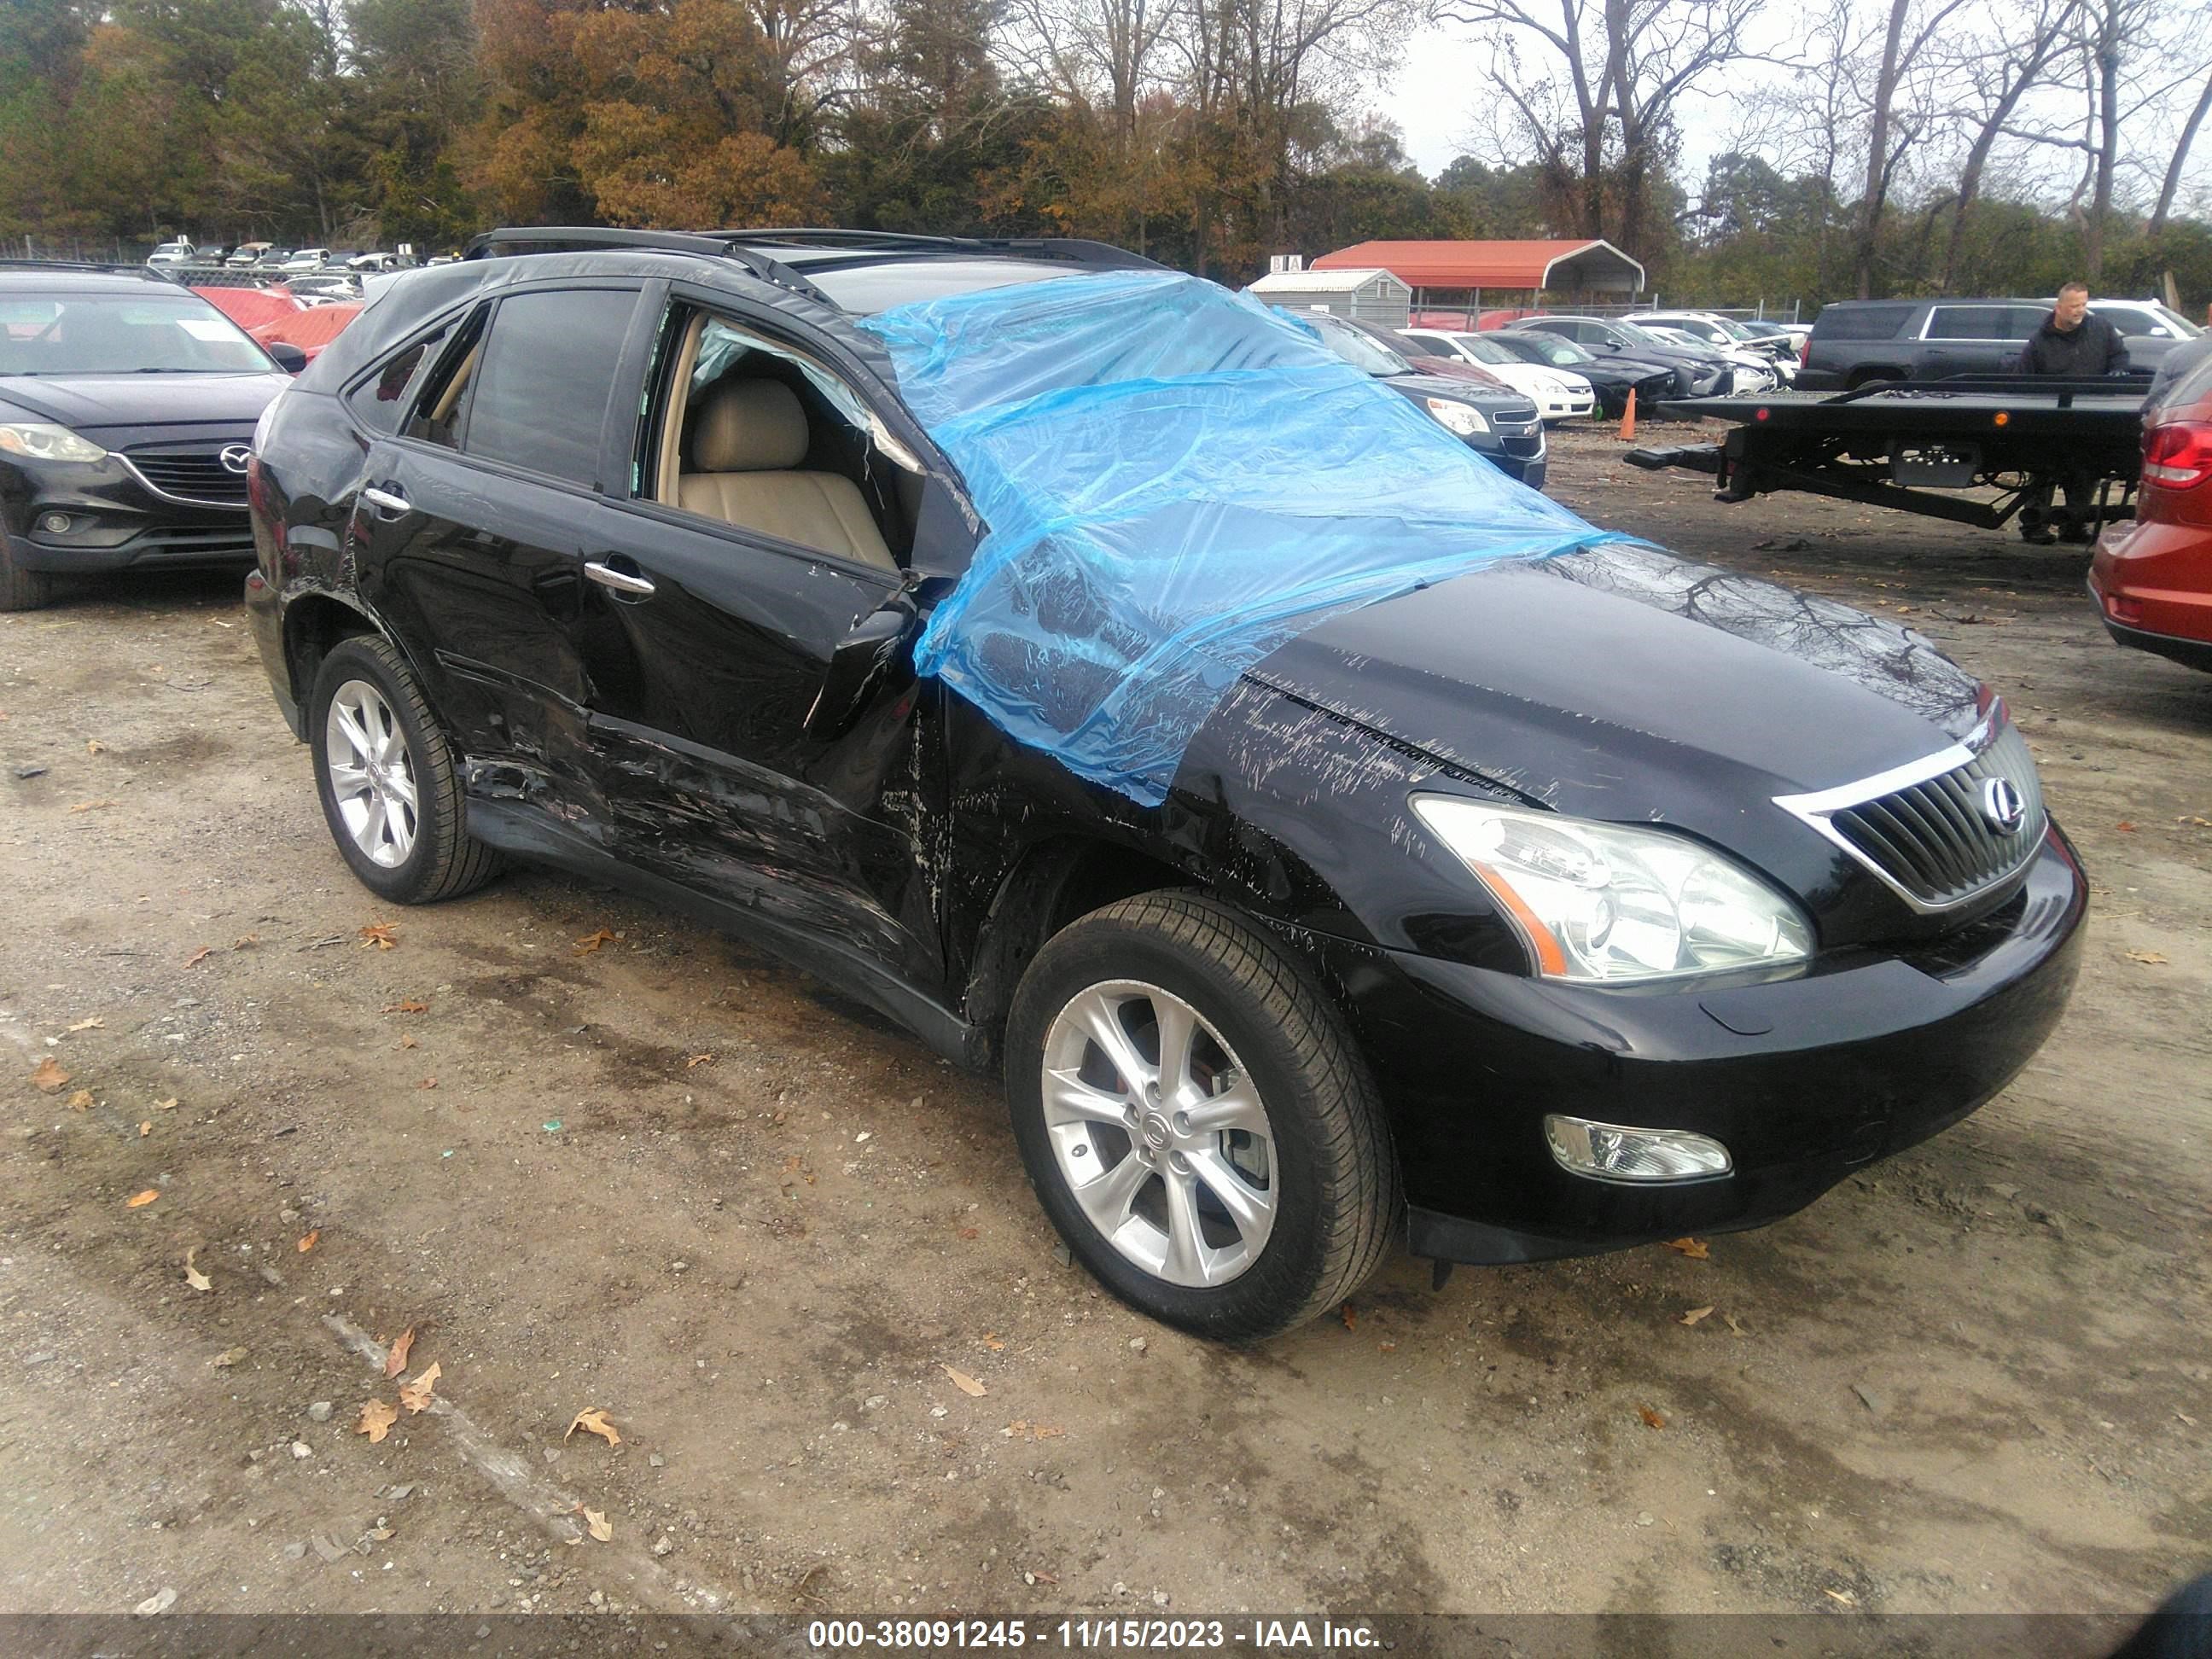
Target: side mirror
x,y
868,661
290,357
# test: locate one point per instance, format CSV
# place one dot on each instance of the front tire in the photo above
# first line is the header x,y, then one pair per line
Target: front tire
x,y
22,589
390,791
1196,1119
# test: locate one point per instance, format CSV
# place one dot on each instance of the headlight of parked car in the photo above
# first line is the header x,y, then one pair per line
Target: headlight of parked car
x,y
1599,902
1457,417
40,442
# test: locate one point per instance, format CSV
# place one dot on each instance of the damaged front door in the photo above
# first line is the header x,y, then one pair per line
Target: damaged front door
x,y
707,639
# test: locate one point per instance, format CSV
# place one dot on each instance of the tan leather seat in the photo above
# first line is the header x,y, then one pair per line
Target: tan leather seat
x,y
747,441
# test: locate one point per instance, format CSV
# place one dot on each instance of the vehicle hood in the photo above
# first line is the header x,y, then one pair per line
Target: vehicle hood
x,y
89,403
1618,682
1463,392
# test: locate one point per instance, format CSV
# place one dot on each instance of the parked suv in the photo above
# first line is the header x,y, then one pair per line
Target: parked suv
x,y
1856,341
1566,896
1699,371
126,402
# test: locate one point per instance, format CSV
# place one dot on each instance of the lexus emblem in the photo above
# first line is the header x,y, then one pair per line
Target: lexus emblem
x,y
234,457
2002,809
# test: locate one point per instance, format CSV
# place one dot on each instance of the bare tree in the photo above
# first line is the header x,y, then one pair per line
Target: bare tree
x,y
2172,184
1892,131
1999,71
1602,99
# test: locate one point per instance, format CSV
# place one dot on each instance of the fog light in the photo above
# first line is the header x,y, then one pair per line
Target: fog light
x,y
1614,1152
55,524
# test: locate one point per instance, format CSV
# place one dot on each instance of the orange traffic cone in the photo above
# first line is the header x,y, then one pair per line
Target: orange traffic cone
x,y
1628,417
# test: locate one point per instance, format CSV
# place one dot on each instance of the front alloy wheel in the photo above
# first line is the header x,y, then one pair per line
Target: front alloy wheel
x,y
1160,1133
1196,1118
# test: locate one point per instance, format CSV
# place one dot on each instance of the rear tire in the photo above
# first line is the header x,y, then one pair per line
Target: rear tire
x,y
1216,1155
22,589
391,792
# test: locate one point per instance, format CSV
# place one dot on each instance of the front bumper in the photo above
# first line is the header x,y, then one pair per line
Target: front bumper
x,y
1804,1079
116,522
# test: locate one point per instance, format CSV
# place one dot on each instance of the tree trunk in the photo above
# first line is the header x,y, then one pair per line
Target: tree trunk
x,y
2180,155
1877,178
2108,145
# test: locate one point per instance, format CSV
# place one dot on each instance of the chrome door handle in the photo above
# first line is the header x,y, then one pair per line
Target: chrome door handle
x,y
386,501
607,576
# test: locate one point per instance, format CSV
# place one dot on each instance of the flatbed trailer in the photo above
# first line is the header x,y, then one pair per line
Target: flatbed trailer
x,y
1903,444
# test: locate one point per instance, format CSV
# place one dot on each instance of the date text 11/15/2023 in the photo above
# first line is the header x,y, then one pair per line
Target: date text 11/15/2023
x,y
1283,1635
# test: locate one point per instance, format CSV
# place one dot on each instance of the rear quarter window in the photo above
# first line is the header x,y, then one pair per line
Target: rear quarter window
x,y
540,398
1861,322
1971,323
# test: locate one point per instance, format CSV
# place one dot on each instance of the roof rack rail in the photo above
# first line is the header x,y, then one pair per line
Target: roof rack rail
x,y
108,267
1103,254
578,239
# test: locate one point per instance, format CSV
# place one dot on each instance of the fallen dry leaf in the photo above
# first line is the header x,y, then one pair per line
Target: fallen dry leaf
x,y
146,1128
599,1527
168,1105
971,1233
964,1383
382,934
1695,1315
308,1241
1844,1597
245,941
408,1041
2129,827
586,945
592,1420
1386,1347
396,1361
90,805
376,1420
698,1060
417,1395
193,1276
2153,958
199,956
1734,1329
139,1201
428,1083
1694,1249
92,1025
1349,1315
228,1357
1651,1418
991,1342
409,1006
94,746
81,1101
47,1076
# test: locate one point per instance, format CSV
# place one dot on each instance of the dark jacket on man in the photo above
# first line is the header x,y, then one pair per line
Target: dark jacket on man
x,y
2094,348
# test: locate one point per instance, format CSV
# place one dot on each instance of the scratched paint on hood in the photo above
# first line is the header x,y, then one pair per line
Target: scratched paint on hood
x,y
1176,481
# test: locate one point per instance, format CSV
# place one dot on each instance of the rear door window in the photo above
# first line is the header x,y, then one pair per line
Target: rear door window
x,y
1861,322
540,397
1971,323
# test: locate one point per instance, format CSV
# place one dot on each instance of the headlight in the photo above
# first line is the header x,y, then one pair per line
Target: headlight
x,y
1599,902
40,442
1457,417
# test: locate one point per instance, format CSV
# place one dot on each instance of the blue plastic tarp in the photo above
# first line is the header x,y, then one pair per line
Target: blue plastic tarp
x,y
1175,481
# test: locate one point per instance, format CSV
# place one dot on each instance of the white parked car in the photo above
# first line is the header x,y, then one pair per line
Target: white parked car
x,y
1710,328
306,258
1558,394
172,254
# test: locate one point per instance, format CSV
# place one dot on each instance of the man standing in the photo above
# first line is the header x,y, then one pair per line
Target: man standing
x,y
2076,342
2073,341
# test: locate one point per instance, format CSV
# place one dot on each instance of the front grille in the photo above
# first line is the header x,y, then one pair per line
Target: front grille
x,y
1936,839
192,474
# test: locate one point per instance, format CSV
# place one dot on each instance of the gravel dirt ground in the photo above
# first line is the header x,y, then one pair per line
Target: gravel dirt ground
x,y
594,1157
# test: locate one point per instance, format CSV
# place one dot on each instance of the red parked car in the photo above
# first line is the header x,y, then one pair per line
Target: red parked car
x,y
2152,577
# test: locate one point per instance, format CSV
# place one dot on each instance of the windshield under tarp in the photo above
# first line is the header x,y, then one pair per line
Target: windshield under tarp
x,y
1176,482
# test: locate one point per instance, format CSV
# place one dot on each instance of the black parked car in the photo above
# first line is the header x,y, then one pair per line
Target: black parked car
x,y
1699,373
1571,904
1610,378
1499,424
127,403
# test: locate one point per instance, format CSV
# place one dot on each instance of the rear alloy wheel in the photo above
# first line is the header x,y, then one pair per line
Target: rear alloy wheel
x,y
1196,1119
22,589
390,791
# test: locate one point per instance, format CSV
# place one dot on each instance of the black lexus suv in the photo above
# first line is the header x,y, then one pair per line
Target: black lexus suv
x,y
1569,904
127,406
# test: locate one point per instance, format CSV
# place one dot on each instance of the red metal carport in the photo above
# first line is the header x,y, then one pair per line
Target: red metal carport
x,y
1583,266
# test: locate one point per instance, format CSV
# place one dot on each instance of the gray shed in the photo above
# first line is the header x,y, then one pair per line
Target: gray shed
x,y
1372,295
